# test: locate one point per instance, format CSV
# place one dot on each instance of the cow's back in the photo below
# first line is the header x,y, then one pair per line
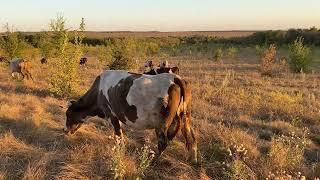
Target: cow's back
x,y
136,99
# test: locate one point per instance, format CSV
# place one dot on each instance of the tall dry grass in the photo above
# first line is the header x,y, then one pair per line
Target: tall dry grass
x,y
238,115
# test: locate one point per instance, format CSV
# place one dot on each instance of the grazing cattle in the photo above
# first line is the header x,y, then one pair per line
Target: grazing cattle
x,y
161,102
44,60
163,68
18,65
83,61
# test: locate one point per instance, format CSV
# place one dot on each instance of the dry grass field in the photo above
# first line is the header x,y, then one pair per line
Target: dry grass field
x,y
248,127
144,34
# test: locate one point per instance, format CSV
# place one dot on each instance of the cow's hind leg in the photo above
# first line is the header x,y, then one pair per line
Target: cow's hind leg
x,y
189,135
174,128
162,141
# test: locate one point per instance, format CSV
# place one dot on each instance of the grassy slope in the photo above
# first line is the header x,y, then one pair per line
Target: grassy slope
x,y
232,105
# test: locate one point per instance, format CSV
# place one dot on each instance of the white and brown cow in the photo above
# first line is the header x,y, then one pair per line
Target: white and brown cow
x,y
20,66
161,102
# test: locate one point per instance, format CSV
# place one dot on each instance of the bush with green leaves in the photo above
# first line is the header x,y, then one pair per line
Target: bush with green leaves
x,y
64,67
259,50
232,52
218,54
45,45
300,56
12,43
123,55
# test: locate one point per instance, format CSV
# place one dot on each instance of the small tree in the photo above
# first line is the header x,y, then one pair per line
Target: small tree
x,y
232,52
45,45
218,55
300,56
123,55
64,68
270,65
11,42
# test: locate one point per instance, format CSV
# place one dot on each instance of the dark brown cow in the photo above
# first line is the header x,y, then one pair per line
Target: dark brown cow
x,y
18,65
44,60
161,102
83,61
3,59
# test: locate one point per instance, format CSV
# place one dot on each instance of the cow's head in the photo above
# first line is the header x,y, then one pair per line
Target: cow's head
x,y
148,64
75,118
164,64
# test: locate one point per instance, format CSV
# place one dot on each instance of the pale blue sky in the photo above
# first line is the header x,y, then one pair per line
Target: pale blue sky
x,y
163,15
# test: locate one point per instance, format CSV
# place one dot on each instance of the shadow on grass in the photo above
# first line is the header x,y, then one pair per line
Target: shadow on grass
x,y
42,93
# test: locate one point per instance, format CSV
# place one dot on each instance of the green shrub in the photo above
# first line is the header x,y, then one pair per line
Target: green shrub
x,y
64,68
218,54
12,43
45,45
232,52
104,53
259,50
118,166
300,56
146,156
123,55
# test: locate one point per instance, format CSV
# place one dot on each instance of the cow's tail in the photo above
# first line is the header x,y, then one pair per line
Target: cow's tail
x,y
184,97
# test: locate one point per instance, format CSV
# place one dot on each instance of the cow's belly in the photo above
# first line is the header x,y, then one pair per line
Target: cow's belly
x,y
148,96
147,119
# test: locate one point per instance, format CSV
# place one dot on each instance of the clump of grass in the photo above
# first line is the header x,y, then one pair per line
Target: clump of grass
x,y
270,66
259,50
218,54
145,156
300,56
286,152
232,52
238,166
118,166
285,175
240,170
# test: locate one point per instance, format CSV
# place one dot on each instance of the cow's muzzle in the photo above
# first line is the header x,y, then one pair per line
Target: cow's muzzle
x,y
72,130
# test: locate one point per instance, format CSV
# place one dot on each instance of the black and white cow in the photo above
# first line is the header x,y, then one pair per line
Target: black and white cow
x,y
161,102
83,61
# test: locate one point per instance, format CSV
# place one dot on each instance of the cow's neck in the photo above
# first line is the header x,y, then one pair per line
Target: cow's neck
x,y
88,102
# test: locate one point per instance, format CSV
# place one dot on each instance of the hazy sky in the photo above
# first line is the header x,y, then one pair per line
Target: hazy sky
x,y
163,15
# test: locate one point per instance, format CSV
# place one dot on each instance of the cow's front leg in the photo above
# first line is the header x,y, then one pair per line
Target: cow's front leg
x,y
117,129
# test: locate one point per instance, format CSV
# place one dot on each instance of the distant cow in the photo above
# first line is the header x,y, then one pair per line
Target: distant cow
x,y
3,59
83,61
161,102
162,68
18,65
44,60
